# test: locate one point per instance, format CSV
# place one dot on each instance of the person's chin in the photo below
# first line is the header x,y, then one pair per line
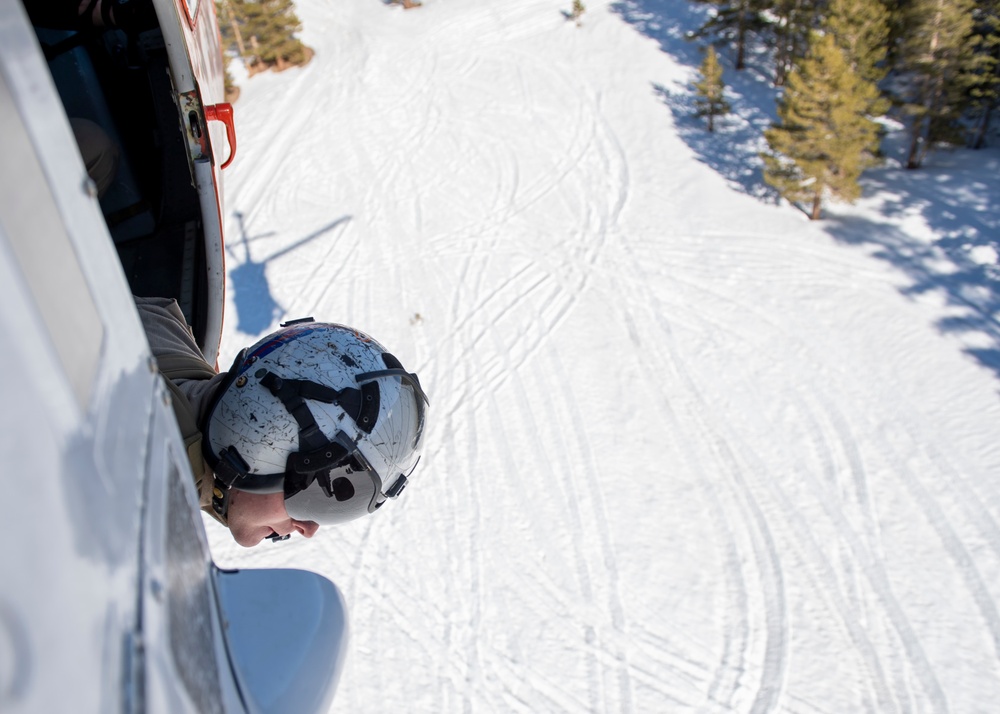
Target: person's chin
x,y
251,538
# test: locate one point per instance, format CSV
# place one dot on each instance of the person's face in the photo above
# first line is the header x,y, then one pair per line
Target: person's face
x,y
255,516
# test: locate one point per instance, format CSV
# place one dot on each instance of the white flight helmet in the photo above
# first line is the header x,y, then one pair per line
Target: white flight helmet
x,y
320,412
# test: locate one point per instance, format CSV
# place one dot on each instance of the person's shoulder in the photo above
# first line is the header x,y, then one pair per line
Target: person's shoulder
x,y
160,302
159,306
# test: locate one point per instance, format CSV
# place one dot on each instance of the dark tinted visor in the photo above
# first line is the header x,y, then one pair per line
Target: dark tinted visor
x,y
332,485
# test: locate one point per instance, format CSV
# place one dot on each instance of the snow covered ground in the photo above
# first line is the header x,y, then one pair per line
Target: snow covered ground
x,y
688,450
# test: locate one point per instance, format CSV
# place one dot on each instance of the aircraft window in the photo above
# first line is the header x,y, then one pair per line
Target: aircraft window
x,y
192,9
46,255
190,601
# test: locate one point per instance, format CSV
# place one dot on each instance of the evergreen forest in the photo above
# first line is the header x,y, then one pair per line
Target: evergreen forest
x,y
841,65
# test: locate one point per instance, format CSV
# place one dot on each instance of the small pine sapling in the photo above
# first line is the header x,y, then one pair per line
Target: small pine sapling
x,y
578,9
711,101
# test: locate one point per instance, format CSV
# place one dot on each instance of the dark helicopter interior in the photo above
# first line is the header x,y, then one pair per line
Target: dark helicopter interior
x,y
122,83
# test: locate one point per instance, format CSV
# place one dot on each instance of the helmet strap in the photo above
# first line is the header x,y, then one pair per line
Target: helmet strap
x,y
304,467
229,467
360,404
317,454
220,498
292,393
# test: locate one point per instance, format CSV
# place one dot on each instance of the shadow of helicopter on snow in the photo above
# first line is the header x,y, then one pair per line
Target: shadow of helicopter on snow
x,y
256,308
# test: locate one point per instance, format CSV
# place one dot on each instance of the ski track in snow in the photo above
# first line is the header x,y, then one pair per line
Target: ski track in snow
x,y
686,452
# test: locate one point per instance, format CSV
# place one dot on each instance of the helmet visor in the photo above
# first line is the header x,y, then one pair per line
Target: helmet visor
x,y
347,489
393,446
360,475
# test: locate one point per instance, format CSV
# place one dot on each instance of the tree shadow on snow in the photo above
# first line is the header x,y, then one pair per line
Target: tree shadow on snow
x,y
733,149
960,204
256,308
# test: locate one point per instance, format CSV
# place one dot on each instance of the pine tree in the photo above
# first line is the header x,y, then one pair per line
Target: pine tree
x,y
734,21
938,59
229,29
264,33
577,12
711,101
824,139
898,11
985,80
861,28
791,23
229,25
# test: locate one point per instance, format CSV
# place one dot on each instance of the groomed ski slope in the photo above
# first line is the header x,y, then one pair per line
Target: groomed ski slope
x,y
689,452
